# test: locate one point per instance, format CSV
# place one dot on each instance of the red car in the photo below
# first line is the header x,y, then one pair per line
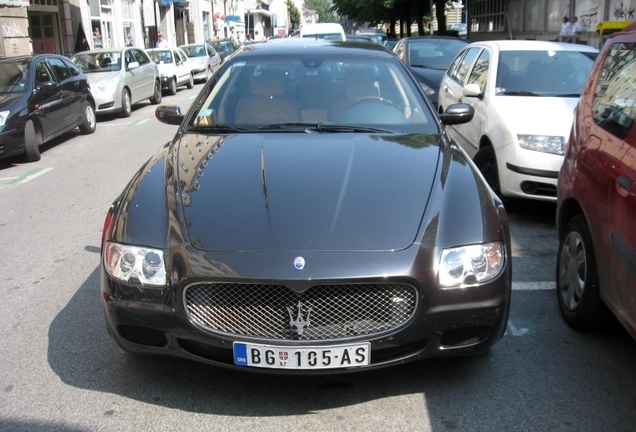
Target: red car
x,y
596,213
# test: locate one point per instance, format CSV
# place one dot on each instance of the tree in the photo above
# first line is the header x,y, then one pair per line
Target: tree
x,y
294,14
324,10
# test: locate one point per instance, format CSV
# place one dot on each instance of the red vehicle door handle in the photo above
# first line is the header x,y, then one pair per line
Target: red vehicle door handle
x,y
624,183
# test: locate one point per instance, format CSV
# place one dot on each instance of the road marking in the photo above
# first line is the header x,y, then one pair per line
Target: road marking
x,y
512,329
26,177
533,286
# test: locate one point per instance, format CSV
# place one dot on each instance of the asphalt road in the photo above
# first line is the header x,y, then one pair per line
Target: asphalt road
x,y
61,371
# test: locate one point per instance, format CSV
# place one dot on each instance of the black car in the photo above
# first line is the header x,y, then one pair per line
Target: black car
x,y
309,215
41,97
429,57
226,47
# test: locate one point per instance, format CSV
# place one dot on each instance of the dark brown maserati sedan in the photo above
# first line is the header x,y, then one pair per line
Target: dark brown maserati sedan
x,y
41,97
310,215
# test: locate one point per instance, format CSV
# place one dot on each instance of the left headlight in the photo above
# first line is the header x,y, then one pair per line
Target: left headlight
x,y
4,115
542,143
429,91
135,265
106,87
470,265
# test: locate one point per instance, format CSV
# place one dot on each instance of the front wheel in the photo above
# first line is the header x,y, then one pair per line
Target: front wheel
x,y
31,142
577,278
156,97
191,82
126,104
172,86
89,123
486,161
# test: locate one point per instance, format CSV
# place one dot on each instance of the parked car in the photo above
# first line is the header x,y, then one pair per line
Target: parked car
x,y
327,31
264,235
523,93
120,78
41,97
226,47
204,60
461,28
175,69
358,38
429,57
596,210
376,35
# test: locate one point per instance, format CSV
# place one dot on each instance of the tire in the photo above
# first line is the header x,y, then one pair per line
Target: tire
x,y
191,82
486,161
156,98
577,278
31,142
172,86
89,123
126,104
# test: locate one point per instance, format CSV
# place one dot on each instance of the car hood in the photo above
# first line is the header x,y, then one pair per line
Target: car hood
x,y
102,77
282,192
9,98
197,61
430,77
536,115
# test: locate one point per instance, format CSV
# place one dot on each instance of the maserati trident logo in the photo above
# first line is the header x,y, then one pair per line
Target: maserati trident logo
x,y
301,322
299,263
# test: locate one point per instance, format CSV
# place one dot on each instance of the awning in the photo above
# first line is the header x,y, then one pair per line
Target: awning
x,y
233,18
260,12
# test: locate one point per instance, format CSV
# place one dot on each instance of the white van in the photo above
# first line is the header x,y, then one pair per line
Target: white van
x,y
330,31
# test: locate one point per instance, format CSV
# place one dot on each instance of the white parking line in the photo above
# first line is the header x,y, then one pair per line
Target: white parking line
x,y
533,286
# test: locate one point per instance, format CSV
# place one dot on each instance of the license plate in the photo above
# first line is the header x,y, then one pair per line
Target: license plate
x,y
318,357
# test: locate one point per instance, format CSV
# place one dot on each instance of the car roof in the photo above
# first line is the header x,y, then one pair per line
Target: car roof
x,y
534,45
297,46
417,38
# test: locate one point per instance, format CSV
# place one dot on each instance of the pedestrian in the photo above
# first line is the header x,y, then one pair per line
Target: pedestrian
x,y
161,42
576,29
97,38
566,29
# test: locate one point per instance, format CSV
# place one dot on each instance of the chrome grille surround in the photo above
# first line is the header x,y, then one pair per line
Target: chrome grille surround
x,y
262,311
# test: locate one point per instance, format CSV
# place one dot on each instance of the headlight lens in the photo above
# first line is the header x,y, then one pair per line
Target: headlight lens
x,y
107,87
136,265
429,91
470,265
3,117
542,143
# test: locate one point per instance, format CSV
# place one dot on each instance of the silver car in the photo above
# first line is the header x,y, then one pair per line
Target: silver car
x,y
204,59
120,78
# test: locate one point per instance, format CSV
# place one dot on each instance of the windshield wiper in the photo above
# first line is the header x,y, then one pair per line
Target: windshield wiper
x,y
518,93
322,127
216,128
422,66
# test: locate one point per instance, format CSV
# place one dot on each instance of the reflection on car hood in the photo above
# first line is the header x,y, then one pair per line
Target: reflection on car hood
x,y
305,192
9,98
101,77
430,77
536,115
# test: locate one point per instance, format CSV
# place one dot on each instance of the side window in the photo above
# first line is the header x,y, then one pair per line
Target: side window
x,y
614,105
399,50
60,68
452,69
479,74
43,73
466,63
75,71
128,56
140,57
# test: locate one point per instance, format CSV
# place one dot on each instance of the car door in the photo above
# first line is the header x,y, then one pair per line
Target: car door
x,y
452,88
71,89
135,77
148,68
47,99
183,66
214,59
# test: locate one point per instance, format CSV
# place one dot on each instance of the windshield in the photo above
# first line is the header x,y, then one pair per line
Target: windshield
x,y
434,53
222,46
13,77
102,61
194,50
543,73
160,56
314,92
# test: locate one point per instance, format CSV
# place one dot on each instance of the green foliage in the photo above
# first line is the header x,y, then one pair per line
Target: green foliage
x,y
294,14
324,9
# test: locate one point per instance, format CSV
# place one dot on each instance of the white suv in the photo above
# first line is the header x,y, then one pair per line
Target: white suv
x,y
524,94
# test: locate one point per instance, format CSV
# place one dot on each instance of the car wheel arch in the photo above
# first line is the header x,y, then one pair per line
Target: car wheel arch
x,y
568,209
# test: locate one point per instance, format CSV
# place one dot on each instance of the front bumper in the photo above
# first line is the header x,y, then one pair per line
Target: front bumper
x,y
445,323
107,103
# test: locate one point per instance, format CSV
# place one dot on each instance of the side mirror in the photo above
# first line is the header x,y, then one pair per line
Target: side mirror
x,y
472,90
457,114
133,65
169,114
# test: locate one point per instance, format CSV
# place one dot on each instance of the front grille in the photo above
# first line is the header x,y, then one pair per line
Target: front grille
x,y
267,311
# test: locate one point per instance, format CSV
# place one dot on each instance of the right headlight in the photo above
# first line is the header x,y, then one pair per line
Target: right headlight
x,y
3,117
470,265
135,265
542,143
105,87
